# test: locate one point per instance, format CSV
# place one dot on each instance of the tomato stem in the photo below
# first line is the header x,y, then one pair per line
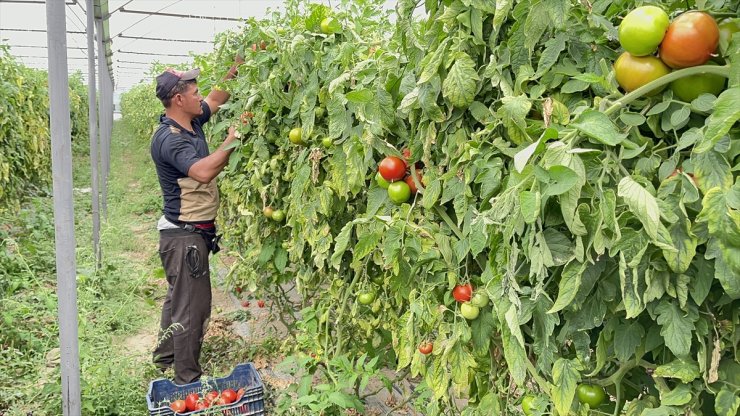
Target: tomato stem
x,y
666,79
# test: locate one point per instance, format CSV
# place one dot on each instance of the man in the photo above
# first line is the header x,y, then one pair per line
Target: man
x,y
187,175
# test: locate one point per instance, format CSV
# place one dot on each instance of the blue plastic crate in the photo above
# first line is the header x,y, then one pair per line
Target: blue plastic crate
x,y
162,392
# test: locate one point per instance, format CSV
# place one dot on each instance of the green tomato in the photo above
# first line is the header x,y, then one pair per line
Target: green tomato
x,y
278,215
469,311
399,192
376,307
643,29
296,136
591,394
319,112
381,181
327,142
366,298
689,88
480,299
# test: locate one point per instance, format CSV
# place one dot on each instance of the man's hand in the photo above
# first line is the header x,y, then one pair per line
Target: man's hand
x,y
218,97
206,169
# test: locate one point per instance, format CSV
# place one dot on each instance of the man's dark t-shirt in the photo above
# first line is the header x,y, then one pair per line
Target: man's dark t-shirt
x,y
174,150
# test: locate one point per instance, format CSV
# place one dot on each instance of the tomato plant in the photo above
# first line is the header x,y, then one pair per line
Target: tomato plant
x,y
462,293
690,40
591,395
643,29
392,168
543,184
632,72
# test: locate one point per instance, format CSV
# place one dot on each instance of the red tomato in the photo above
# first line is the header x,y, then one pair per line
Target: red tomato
x,y
691,40
392,168
412,185
211,396
178,406
201,405
229,396
239,394
462,293
426,348
261,303
245,303
191,400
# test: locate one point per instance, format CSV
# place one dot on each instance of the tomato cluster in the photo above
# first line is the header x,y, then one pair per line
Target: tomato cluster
x,y
394,174
691,39
472,301
194,401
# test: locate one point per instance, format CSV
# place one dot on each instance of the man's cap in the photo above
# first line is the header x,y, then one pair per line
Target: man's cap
x,y
167,80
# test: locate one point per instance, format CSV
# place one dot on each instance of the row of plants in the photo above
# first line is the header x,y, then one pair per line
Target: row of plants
x,y
563,246
25,161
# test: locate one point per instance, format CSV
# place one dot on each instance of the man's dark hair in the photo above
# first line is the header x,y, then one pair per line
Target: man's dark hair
x,y
179,88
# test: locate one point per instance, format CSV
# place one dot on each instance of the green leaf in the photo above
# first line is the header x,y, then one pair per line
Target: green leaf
x,y
680,116
599,127
550,55
513,112
632,286
684,370
627,337
685,244
711,170
362,96
460,85
566,374
679,396
642,203
343,400
727,402
726,114
676,328
366,245
562,179
431,194
430,63
570,281
342,240
529,202
281,259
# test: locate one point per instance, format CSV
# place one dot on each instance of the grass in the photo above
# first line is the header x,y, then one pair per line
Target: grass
x,y
115,301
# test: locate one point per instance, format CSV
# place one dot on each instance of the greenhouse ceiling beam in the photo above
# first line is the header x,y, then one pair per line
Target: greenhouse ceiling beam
x,y
44,47
68,2
186,16
163,39
46,57
153,53
64,225
73,32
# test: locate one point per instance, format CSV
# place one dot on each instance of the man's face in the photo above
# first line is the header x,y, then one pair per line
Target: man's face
x,y
190,99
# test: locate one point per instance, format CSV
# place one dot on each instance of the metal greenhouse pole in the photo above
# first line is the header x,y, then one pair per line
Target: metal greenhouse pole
x,y
93,127
104,127
61,165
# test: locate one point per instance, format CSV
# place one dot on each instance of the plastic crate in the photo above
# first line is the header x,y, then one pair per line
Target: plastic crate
x,y
162,392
